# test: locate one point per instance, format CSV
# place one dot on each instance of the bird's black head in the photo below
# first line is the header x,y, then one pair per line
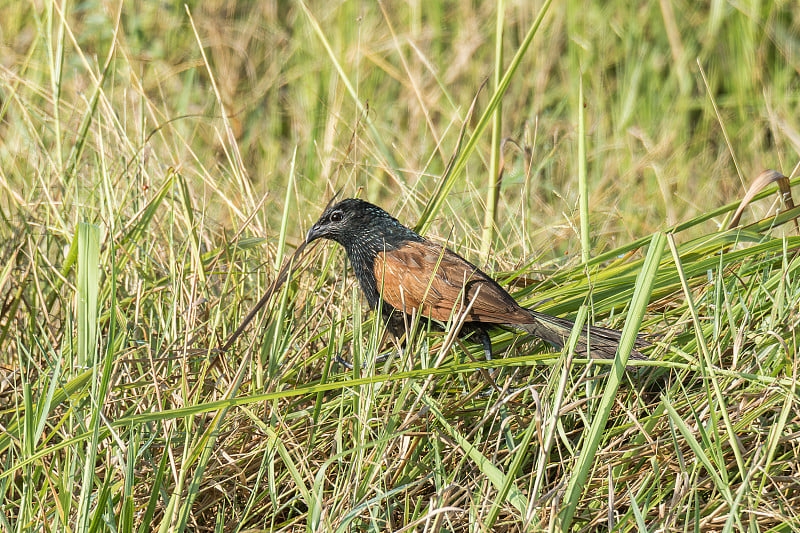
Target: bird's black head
x,y
364,230
354,221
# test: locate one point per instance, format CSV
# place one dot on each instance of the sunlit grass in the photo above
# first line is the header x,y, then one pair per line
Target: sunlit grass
x,y
160,164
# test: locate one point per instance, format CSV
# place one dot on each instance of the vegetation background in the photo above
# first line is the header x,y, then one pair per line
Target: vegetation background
x,y
160,161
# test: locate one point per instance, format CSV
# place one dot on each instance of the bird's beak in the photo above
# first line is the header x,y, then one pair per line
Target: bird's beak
x,y
312,234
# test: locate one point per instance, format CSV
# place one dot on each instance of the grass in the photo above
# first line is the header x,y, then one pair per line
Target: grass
x,y
159,165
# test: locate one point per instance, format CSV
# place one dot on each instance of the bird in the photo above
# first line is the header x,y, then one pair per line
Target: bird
x,y
404,275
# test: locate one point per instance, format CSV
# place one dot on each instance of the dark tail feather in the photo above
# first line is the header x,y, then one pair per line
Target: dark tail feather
x,y
603,342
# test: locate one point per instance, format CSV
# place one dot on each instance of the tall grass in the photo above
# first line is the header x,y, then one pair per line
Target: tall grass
x,y
160,163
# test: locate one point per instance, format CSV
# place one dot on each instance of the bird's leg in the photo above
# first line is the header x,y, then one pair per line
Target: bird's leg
x,y
483,336
476,333
382,358
385,356
393,335
341,360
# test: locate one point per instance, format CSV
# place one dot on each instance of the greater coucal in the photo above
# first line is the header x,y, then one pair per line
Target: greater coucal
x,y
413,275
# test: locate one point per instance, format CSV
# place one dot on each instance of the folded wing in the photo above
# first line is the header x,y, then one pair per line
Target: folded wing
x,y
421,277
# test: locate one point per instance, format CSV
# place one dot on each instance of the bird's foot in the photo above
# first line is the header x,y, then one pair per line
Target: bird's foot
x,y
340,360
382,358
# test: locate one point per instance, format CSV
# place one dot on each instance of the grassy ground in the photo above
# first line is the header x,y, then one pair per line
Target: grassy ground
x,y
159,163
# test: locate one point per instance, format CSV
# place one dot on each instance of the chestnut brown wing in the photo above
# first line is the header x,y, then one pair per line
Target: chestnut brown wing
x,y
424,277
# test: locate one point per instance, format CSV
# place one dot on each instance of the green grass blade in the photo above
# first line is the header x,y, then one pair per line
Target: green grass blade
x,y
644,285
583,180
515,497
88,287
436,202
493,190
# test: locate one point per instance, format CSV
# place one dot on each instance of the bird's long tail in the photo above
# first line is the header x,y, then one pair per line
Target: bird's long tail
x,y
602,342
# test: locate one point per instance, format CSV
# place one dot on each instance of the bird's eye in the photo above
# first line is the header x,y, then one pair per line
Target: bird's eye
x,y
336,216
